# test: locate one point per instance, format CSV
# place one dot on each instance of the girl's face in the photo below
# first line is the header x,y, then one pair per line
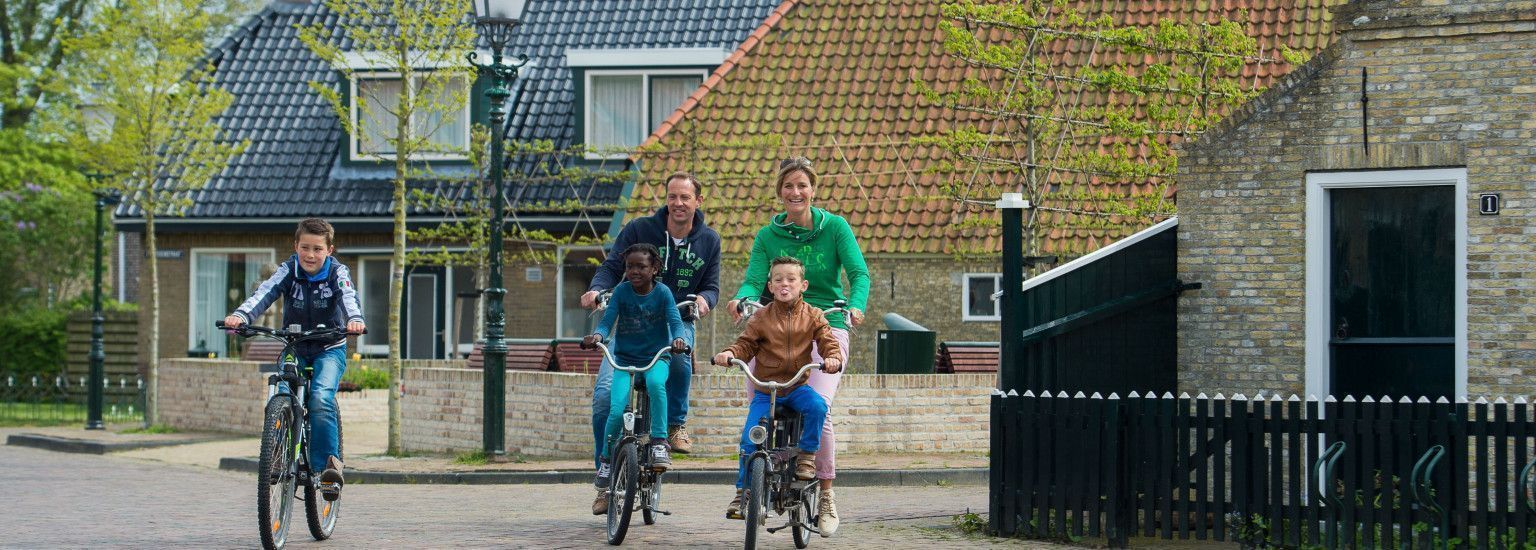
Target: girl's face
x,y
640,270
796,192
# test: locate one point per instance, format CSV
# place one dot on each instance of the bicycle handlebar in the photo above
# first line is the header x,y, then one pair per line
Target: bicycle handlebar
x,y
287,335
609,355
775,385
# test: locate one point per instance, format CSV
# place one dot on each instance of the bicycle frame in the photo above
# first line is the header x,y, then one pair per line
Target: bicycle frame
x,y
765,433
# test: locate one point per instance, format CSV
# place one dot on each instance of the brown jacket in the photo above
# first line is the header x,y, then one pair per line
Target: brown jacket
x,y
780,337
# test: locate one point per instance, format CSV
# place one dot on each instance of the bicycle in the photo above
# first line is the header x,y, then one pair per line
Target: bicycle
x,y
771,483
284,464
633,476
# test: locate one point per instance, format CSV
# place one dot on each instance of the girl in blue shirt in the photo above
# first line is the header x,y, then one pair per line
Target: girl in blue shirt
x,y
642,318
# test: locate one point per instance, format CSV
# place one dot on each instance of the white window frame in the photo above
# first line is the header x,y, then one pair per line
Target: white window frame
x,y
1319,261
645,100
560,253
469,83
965,297
360,278
192,282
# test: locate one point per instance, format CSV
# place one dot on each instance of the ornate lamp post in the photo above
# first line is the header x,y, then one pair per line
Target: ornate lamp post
x,y
105,198
495,20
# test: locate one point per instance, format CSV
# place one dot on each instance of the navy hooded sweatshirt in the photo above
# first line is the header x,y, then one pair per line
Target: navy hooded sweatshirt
x,y
325,298
692,267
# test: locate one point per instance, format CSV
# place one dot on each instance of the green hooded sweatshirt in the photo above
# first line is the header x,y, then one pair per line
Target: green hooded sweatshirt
x,y
827,249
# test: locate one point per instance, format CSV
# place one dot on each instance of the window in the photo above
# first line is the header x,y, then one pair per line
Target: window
x,y
978,304
623,107
221,281
375,100
577,266
372,280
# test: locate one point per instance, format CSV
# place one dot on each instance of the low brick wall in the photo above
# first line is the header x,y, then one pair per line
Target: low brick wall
x,y
229,396
549,414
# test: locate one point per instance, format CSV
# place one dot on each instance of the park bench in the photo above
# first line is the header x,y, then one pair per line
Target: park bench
x,y
959,357
522,354
569,357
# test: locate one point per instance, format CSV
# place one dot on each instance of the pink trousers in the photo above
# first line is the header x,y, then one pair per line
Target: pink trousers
x,y
825,385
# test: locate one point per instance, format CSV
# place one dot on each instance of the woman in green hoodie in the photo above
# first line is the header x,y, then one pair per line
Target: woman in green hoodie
x,y
824,242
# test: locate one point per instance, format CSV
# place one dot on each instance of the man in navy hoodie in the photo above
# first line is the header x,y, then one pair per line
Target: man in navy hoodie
x,y
690,264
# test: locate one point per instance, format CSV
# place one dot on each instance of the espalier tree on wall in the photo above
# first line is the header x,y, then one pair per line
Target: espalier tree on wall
x,y
424,44
146,60
1081,114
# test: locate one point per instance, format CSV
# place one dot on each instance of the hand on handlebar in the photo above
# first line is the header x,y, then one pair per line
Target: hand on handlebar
x,y
734,306
589,299
680,346
232,322
832,365
590,341
702,308
723,359
356,327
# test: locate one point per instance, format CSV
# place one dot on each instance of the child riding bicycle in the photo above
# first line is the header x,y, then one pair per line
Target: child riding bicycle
x,y
642,317
780,338
318,291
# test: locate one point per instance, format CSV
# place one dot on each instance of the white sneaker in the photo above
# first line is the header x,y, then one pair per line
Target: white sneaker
x,y
826,514
603,473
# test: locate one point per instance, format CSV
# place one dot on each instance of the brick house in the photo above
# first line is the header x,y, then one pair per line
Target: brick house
x,y
1365,226
831,80
597,76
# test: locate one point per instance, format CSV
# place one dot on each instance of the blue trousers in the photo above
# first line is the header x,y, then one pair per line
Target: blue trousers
x,y
813,414
324,438
655,388
679,380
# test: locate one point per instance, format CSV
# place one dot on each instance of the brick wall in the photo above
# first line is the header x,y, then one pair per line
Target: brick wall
x,y
230,396
1443,92
549,414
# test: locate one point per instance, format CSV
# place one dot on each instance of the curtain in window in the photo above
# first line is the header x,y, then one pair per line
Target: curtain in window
x,y
378,98
373,279
212,272
447,132
667,93
617,111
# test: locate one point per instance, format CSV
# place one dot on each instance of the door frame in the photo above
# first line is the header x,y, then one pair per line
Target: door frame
x,y
1319,261
407,312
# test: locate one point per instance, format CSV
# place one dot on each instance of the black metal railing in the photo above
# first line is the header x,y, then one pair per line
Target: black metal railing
x,y
43,400
1264,472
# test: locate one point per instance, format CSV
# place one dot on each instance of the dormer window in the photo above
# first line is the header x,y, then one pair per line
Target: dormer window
x,y
626,94
376,98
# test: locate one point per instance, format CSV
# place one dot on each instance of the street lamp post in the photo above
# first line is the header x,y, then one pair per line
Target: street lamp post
x,y
96,386
495,20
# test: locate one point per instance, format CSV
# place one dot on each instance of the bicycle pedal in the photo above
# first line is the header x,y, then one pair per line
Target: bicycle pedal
x,y
330,490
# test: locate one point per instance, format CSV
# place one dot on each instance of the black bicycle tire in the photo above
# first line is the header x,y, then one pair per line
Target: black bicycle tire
x,y
804,514
648,511
626,473
313,499
277,454
756,499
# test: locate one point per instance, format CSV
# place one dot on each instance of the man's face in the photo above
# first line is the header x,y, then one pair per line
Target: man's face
x,y
786,283
312,252
682,201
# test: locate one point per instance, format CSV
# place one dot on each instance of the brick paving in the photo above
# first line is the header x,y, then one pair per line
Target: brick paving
x,y
67,500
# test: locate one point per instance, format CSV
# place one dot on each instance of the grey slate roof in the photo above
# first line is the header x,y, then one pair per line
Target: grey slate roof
x,y
291,168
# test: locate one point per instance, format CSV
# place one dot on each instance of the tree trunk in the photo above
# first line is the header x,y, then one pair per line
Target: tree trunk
x,y
396,291
152,385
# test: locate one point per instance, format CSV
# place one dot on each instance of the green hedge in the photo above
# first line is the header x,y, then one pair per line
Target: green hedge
x,y
34,341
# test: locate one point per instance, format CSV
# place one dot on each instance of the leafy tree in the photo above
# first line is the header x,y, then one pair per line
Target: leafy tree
x,y
43,230
424,43
1081,113
31,51
146,58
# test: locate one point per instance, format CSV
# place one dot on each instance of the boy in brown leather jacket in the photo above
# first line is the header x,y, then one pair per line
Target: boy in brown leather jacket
x,y
780,338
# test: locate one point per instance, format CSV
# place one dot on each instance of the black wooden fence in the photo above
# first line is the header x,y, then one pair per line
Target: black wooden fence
x,y
1264,471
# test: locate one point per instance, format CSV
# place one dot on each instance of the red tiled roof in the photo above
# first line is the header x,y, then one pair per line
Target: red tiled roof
x,y
831,80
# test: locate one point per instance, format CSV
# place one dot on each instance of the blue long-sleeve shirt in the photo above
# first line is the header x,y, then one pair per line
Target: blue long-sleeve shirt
x,y
639,325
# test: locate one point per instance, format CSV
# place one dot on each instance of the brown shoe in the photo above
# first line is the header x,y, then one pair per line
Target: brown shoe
x,y
805,466
331,480
733,511
600,505
680,440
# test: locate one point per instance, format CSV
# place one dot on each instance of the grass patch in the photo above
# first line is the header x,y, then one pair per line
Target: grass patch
x,y
14,414
472,458
155,429
970,523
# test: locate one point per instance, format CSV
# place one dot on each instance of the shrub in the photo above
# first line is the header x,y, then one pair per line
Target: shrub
x,y
34,341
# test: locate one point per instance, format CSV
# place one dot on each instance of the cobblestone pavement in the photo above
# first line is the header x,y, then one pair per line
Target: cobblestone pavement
x,y
65,500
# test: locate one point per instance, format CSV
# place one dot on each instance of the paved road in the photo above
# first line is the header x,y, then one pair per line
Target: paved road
x,y
64,500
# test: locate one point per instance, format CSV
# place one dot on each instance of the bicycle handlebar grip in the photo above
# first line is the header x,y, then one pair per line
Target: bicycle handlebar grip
x,y
219,324
840,304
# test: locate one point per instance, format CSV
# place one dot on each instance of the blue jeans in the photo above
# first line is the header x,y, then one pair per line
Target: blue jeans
x,y
813,414
679,380
324,438
656,392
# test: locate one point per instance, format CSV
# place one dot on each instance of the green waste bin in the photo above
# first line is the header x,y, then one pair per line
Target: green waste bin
x,y
904,347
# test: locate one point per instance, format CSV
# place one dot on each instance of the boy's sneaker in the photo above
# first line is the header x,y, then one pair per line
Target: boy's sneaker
x,y
331,480
661,460
805,466
600,506
733,510
680,440
826,514
603,473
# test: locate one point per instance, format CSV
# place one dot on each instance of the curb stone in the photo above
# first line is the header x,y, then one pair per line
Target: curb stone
x,y
849,478
68,445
